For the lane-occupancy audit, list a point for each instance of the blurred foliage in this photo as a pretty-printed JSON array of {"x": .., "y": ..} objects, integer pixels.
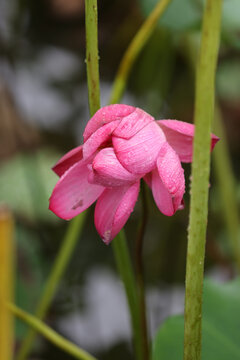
[
  {"x": 30, "y": 277},
  {"x": 180, "y": 15},
  {"x": 228, "y": 80},
  {"x": 220, "y": 326},
  {"x": 26, "y": 182}
]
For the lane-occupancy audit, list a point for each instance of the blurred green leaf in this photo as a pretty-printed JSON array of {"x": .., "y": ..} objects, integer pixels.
[
  {"x": 26, "y": 182},
  {"x": 30, "y": 277},
  {"x": 180, "y": 15},
  {"x": 228, "y": 79},
  {"x": 221, "y": 321},
  {"x": 231, "y": 15}
]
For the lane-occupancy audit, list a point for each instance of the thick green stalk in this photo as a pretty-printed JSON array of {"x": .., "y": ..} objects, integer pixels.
[
  {"x": 134, "y": 49},
  {"x": 119, "y": 244},
  {"x": 223, "y": 168},
  {"x": 91, "y": 22},
  {"x": 50, "y": 334},
  {"x": 204, "y": 112},
  {"x": 227, "y": 188},
  {"x": 68, "y": 245},
  {"x": 126, "y": 272}
]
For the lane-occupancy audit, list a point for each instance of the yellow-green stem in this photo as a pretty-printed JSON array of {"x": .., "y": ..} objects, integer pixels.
[
  {"x": 134, "y": 49},
  {"x": 119, "y": 244},
  {"x": 91, "y": 23},
  {"x": 203, "y": 117},
  {"x": 222, "y": 166},
  {"x": 6, "y": 283},
  {"x": 50, "y": 334}
]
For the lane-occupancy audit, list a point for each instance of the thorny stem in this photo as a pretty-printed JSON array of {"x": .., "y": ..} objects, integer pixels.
[
  {"x": 204, "y": 113},
  {"x": 223, "y": 168}
]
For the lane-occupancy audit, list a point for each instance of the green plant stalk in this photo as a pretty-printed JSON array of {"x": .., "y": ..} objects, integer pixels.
[
  {"x": 91, "y": 23},
  {"x": 134, "y": 49},
  {"x": 125, "y": 270},
  {"x": 222, "y": 166},
  {"x": 68, "y": 245},
  {"x": 119, "y": 244},
  {"x": 140, "y": 275},
  {"x": 227, "y": 187},
  {"x": 50, "y": 334},
  {"x": 204, "y": 112}
]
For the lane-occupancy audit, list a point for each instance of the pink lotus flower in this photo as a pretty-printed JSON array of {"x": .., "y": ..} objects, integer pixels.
[{"x": 123, "y": 144}]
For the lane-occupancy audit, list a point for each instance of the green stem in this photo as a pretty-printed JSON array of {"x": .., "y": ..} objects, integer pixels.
[
  {"x": 119, "y": 245},
  {"x": 91, "y": 20},
  {"x": 68, "y": 245},
  {"x": 134, "y": 49},
  {"x": 227, "y": 187},
  {"x": 50, "y": 334},
  {"x": 222, "y": 166},
  {"x": 204, "y": 112},
  {"x": 125, "y": 270},
  {"x": 140, "y": 276}
]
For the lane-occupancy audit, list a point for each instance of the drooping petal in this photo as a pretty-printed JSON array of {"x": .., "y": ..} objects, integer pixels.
[
  {"x": 132, "y": 124},
  {"x": 180, "y": 135},
  {"x": 113, "y": 209},
  {"x": 73, "y": 193},
  {"x": 69, "y": 159},
  {"x": 161, "y": 196},
  {"x": 105, "y": 115},
  {"x": 139, "y": 153},
  {"x": 107, "y": 170},
  {"x": 99, "y": 138},
  {"x": 168, "y": 183}
]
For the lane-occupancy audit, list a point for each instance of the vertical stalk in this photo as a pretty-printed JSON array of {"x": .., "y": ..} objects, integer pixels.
[
  {"x": 126, "y": 272},
  {"x": 68, "y": 245},
  {"x": 6, "y": 284},
  {"x": 223, "y": 168},
  {"x": 119, "y": 245},
  {"x": 204, "y": 112},
  {"x": 91, "y": 23},
  {"x": 140, "y": 276}
]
